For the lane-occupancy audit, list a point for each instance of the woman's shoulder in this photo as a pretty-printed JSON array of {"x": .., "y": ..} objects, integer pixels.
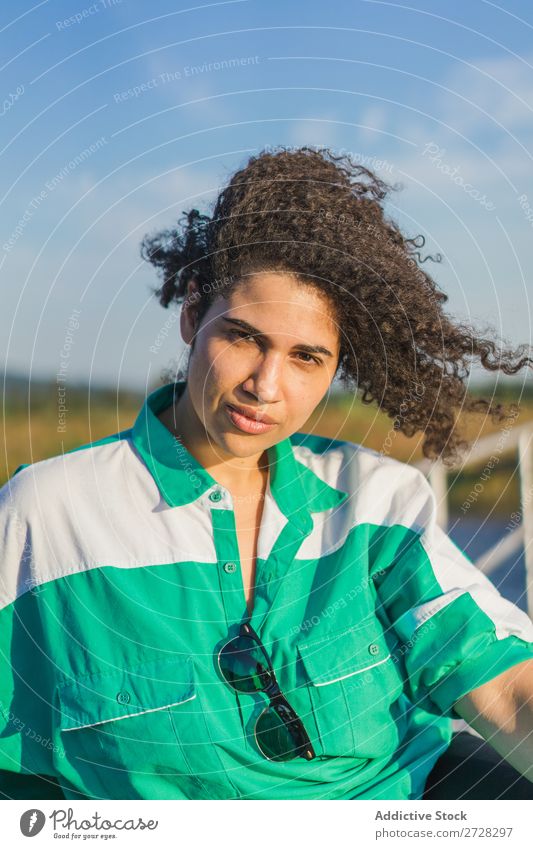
[
  {"x": 46, "y": 481},
  {"x": 59, "y": 515},
  {"x": 370, "y": 477},
  {"x": 311, "y": 447}
]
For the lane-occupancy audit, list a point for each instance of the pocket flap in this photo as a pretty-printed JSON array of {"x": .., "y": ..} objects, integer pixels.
[
  {"x": 108, "y": 696},
  {"x": 342, "y": 654}
]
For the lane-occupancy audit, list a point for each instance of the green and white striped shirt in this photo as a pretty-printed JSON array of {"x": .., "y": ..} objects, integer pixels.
[{"x": 120, "y": 580}]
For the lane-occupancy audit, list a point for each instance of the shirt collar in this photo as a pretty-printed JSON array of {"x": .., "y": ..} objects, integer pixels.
[{"x": 181, "y": 479}]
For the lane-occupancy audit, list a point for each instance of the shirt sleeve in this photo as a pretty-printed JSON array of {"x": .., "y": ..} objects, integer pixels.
[
  {"x": 455, "y": 631},
  {"x": 26, "y": 749}
]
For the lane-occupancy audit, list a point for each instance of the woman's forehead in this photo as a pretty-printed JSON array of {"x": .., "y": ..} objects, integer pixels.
[
  {"x": 279, "y": 293},
  {"x": 278, "y": 303}
]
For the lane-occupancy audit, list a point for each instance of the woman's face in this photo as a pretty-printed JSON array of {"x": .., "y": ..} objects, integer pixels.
[{"x": 270, "y": 348}]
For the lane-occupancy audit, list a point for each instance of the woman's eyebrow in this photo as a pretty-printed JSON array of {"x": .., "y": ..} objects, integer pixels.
[{"x": 310, "y": 349}]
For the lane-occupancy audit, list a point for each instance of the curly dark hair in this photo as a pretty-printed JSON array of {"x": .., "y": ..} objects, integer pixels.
[{"x": 319, "y": 216}]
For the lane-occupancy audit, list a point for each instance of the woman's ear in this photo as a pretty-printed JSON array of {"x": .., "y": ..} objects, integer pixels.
[{"x": 189, "y": 311}]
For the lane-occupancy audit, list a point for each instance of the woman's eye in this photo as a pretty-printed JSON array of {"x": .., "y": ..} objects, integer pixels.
[
  {"x": 310, "y": 359},
  {"x": 239, "y": 334},
  {"x": 306, "y": 359}
]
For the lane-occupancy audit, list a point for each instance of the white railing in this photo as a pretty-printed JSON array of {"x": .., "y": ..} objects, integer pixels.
[{"x": 518, "y": 439}]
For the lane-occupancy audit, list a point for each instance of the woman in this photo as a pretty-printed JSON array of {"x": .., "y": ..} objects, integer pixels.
[{"x": 214, "y": 604}]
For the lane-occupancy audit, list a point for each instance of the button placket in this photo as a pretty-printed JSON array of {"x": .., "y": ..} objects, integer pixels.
[
  {"x": 227, "y": 549},
  {"x": 219, "y": 499},
  {"x": 272, "y": 574}
]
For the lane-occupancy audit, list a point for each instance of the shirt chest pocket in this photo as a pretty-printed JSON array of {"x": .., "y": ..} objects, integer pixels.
[
  {"x": 353, "y": 685},
  {"x": 136, "y": 732}
]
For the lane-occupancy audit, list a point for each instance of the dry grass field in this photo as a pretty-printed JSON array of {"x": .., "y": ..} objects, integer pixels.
[{"x": 32, "y": 435}]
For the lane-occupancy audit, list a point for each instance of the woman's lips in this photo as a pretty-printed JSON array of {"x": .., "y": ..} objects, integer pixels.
[{"x": 246, "y": 424}]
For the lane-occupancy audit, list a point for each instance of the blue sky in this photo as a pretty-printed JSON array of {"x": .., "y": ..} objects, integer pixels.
[{"x": 117, "y": 116}]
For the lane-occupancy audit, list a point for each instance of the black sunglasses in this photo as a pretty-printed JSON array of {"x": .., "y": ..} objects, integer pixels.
[{"x": 279, "y": 732}]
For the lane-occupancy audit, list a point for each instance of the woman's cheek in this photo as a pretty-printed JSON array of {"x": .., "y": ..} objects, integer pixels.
[{"x": 222, "y": 357}]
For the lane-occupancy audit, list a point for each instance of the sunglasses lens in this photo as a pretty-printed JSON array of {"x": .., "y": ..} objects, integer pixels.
[
  {"x": 244, "y": 665},
  {"x": 278, "y": 740}
]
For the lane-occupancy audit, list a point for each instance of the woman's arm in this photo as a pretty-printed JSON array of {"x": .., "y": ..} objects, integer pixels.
[{"x": 502, "y": 712}]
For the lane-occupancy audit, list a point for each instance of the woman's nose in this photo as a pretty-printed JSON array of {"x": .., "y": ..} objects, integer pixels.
[{"x": 264, "y": 383}]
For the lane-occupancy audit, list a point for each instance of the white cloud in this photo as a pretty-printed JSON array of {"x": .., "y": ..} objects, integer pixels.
[
  {"x": 372, "y": 118},
  {"x": 499, "y": 91},
  {"x": 322, "y": 131}
]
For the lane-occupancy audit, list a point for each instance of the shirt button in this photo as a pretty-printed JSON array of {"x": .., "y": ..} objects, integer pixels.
[
  {"x": 230, "y": 568},
  {"x": 123, "y": 697},
  {"x": 373, "y": 648},
  {"x": 216, "y": 495}
]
